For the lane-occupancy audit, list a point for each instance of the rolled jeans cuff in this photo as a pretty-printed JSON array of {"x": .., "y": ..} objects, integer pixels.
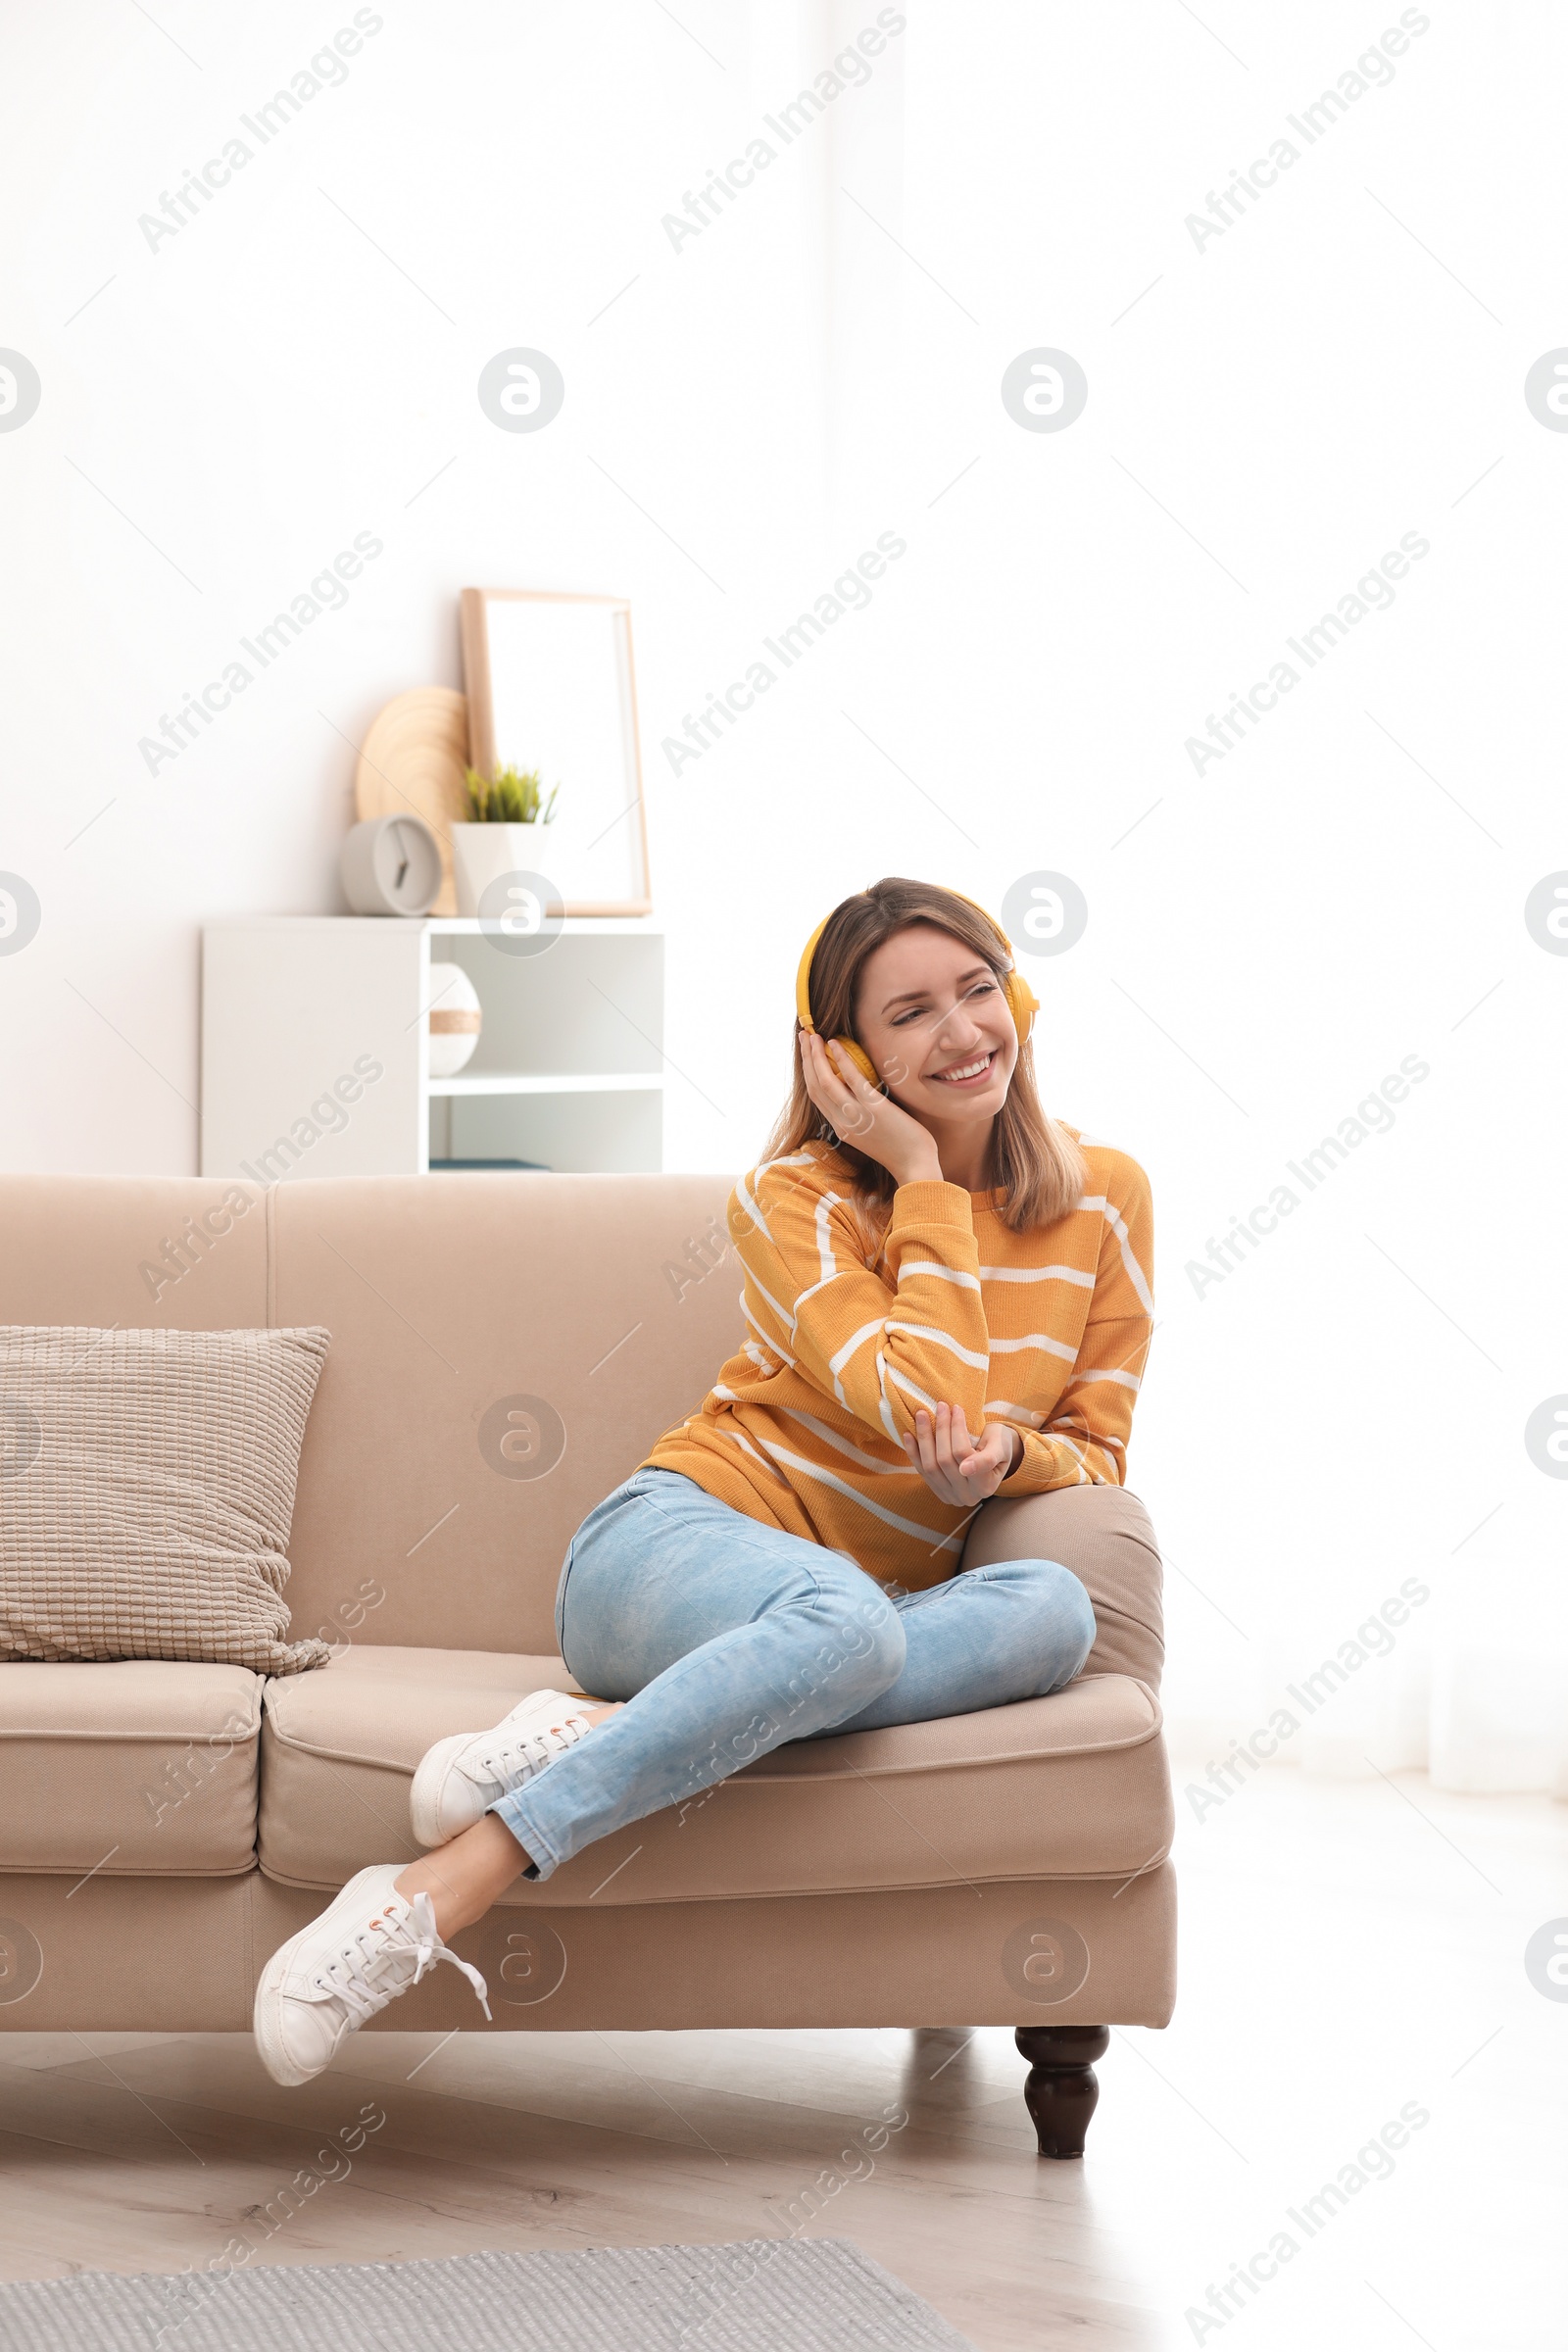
[{"x": 513, "y": 1814}]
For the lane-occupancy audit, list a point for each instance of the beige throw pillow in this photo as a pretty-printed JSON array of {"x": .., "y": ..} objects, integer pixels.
[{"x": 146, "y": 1493}]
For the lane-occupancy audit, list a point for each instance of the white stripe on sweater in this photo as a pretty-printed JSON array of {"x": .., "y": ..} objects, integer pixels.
[
  {"x": 827, "y": 1262},
  {"x": 742, "y": 1192},
  {"x": 765, "y": 1337},
  {"x": 736, "y": 1439},
  {"x": 909, "y": 1390},
  {"x": 907, "y": 1527},
  {"x": 836, "y": 1363},
  {"x": 744, "y": 1197},
  {"x": 1078, "y": 1424},
  {"x": 942, "y": 1338},
  {"x": 841, "y": 1445},
  {"x": 928, "y": 1265},
  {"x": 1135, "y": 1272},
  {"x": 1035, "y": 1339},
  {"x": 882, "y": 1404},
  {"x": 782, "y": 1312},
  {"x": 1074, "y": 1274}
]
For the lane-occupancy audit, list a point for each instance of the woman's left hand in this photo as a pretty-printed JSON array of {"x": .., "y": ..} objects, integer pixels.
[{"x": 957, "y": 1467}]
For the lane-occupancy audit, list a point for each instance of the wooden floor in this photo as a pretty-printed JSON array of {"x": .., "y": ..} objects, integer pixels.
[{"x": 1349, "y": 1951}]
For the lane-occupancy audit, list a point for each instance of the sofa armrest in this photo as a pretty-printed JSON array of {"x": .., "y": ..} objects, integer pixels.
[{"x": 1103, "y": 1535}]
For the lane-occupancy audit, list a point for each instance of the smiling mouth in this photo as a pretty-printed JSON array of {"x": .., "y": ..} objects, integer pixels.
[{"x": 967, "y": 1073}]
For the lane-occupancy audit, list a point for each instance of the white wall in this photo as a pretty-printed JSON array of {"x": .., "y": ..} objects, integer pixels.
[{"x": 1341, "y": 367}]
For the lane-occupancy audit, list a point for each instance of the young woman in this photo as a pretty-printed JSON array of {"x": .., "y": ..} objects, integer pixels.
[{"x": 947, "y": 1297}]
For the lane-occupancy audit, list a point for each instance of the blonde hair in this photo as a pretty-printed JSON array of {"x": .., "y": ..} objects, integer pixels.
[{"x": 1034, "y": 1163}]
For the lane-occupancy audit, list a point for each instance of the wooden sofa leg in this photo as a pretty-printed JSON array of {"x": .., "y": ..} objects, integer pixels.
[{"x": 1061, "y": 2090}]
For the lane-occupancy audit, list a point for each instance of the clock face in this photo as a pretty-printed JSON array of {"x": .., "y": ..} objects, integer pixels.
[{"x": 406, "y": 865}]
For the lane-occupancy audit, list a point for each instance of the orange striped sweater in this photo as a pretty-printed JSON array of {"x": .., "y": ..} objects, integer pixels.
[{"x": 1047, "y": 1329}]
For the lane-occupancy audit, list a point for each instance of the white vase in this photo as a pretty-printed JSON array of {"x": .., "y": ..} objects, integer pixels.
[
  {"x": 482, "y": 854},
  {"x": 454, "y": 1020}
]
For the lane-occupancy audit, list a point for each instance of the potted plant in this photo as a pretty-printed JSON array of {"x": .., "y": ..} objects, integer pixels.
[{"x": 507, "y": 831}]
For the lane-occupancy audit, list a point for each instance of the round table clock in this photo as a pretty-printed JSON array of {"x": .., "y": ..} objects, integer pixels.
[{"x": 391, "y": 865}]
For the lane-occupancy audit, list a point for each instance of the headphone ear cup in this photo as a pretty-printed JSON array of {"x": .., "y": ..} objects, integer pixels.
[
  {"x": 860, "y": 1058},
  {"x": 1022, "y": 1003}
]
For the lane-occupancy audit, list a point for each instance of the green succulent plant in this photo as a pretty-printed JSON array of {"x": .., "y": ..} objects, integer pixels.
[{"x": 512, "y": 796}]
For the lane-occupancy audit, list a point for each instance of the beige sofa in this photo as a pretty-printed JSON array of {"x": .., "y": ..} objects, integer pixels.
[{"x": 163, "y": 1827}]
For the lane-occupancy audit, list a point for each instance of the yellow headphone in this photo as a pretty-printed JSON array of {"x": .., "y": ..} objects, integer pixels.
[{"x": 1022, "y": 1002}]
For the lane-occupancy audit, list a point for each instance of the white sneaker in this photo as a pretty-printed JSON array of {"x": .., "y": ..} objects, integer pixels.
[
  {"x": 367, "y": 1946},
  {"x": 461, "y": 1778}
]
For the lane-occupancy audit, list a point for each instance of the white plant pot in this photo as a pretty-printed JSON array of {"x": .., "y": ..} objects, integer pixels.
[{"x": 482, "y": 854}]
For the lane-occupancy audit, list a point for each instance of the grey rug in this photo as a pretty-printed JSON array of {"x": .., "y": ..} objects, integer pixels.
[{"x": 764, "y": 2295}]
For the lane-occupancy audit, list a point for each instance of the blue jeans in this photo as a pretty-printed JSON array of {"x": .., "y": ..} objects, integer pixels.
[{"x": 727, "y": 1637}]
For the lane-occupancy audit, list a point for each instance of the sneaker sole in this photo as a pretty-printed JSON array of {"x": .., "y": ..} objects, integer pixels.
[
  {"x": 266, "y": 2019},
  {"x": 266, "y": 2024},
  {"x": 428, "y": 1789}
]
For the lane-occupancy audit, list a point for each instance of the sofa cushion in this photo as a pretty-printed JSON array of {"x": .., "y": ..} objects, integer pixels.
[
  {"x": 1074, "y": 1786},
  {"x": 149, "y": 1486},
  {"x": 138, "y": 1769}
]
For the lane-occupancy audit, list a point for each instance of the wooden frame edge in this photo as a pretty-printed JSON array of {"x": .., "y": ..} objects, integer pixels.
[
  {"x": 478, "y": 688},
  {"x": 476, "y": 684}
]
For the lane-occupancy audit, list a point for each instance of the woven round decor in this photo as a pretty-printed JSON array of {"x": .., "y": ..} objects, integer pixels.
[{"x": 412, "y": 760}]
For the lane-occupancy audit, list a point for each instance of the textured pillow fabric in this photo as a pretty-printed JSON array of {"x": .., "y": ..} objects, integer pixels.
[{"x": 146, "y": 1491}]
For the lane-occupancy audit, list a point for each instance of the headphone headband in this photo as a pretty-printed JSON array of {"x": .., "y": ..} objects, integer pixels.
[{"x": 1022, "y": 1002}]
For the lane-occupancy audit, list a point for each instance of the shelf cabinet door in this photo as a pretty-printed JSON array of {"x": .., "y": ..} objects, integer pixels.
[{"x": 313, "y": 1050}]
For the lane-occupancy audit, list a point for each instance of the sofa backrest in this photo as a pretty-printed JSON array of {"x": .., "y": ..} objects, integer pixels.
[{"x": 504, "y": 1349}]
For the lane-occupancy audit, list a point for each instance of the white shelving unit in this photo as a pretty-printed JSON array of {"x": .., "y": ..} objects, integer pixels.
[{"x": 315, "y": 1049}]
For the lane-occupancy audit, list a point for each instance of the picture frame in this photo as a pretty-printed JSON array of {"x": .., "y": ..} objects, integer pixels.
[{"x": 550, "y": 685}]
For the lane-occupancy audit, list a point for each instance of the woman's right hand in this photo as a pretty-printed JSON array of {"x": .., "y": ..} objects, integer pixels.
[{"x": 861, "y": 1115}]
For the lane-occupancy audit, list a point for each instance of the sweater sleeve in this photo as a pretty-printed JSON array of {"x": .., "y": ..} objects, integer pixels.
[
  {"x": 879, "y": 1350},
  {"x": 1085, "y": 1441}
]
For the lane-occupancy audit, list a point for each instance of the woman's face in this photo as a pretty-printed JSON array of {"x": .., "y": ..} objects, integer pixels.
[{"x": 930, "y": 1015}]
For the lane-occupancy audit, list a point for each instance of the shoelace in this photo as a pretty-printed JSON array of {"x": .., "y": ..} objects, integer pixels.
[
  {"x": 499, "y": 1763},
  {"x": 353, "y": 1984}
]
